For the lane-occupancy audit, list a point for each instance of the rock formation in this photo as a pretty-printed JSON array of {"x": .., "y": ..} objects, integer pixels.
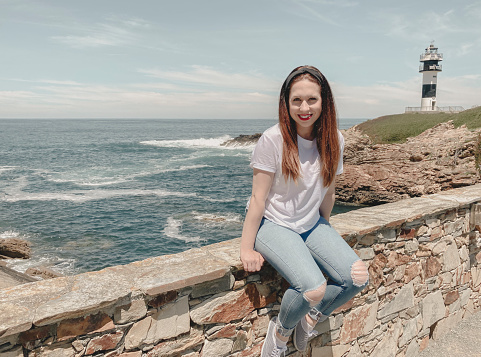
[
  {"x": 14, "y": 248},
  {"x": 438, "y": 159},
  {"x": 242, "y": 140}
]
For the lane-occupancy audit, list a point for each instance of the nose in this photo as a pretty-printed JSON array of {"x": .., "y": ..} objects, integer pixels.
[{"x": 304, "y": 106}]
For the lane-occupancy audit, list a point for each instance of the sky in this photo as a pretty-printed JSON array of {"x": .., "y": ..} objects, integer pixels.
[{"x": 226, "y": 59}]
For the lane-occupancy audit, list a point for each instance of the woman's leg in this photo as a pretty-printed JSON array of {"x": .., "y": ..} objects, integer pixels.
[
  {"x": 347, "y": 273},
  {"x": 286, "y": 251}
]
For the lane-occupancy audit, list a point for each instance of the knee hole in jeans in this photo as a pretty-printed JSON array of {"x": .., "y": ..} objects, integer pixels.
[
  {"x": 315, "y": 296},
  {"x": 359, "y": 273}
]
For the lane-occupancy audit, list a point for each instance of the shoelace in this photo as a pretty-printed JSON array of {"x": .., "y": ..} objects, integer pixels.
[
  {"x": 311, "y": 334},
  {"x": 276, "y": 352}
]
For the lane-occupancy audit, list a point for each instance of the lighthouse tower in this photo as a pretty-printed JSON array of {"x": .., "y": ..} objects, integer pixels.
[{"x": 430, "y": 68}]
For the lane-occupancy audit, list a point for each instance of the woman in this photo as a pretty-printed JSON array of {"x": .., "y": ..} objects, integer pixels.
[{"x": 287, "y": 221}]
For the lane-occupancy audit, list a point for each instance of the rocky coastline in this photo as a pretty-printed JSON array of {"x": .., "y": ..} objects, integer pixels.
[
  {"x": 439, "y": 159},
  {"x": 15, "y": 248}
]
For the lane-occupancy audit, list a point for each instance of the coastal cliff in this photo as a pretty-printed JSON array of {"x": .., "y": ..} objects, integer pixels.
[{"x": 439, "y": 159}]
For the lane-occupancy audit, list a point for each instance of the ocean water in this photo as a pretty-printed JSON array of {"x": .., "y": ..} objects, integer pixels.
[{"x": 95, "y": 193}]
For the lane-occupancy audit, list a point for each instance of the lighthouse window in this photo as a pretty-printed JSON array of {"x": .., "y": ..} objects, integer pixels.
[
  {"x": 428, "y": 65},
  {"x": 429, "y": 90}
]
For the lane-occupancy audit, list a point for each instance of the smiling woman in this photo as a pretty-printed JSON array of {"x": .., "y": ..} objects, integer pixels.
[{"x": 287, "y": 222}]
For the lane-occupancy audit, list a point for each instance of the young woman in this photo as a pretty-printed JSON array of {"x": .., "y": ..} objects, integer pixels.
[{"x": 287, "y": 222}]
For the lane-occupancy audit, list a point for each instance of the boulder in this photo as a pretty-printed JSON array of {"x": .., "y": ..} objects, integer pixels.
[
  {"x": 42, "y": 272},
  {"x": 15, "y": 248},
  {"x": 243, "y": 140}
]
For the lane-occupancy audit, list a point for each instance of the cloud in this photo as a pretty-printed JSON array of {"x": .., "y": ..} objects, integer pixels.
[
  {"x": 115, "y": 32},
  {"x": 310, "y": 12},
  {"x": 218, "y": 95},
  {"x": 389, "y": 98},
  {"x": 14, "y": 96},
  {"x": 339, "y": 3},
  {"x": 130, "y": 22},
  {"x": 377, "y": 99},
  {"x": 206, "y": 76},
  {"x": 424, "y": 25},
  {"x": 102, "y": 35},
  {"x": 48, "y": 81},
  {"x": 135, "y": 101}
]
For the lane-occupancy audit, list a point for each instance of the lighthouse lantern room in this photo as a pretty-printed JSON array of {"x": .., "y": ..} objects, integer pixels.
[{"x": 430, "y": 68}]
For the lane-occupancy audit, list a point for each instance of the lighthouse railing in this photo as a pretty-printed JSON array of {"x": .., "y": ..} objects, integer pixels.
[
  {"x": 432, "y": 67},
  {"x": 431, "y": 57},
  {"x": 448, "y": 109}
]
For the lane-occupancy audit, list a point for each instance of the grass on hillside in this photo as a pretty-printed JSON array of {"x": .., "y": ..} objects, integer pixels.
[{"x": 398, "y": 127}]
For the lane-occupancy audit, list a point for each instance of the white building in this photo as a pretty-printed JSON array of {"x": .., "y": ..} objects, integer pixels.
[{"x": 430, "y": 68}]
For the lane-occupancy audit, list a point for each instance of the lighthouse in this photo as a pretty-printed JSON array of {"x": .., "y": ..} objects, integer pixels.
[{"x": 430, "y": 68}]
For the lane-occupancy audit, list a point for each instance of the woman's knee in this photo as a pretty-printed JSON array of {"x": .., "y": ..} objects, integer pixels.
[
  {"x": 315, "y": 296},
  {"x": 359, "y": 273}
]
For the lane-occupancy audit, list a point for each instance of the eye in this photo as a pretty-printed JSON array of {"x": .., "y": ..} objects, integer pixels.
[
  {"x": 296, "y": 100},
  {"x": 312, "y": 100}
]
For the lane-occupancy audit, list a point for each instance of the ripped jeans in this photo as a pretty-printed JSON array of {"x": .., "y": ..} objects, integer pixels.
[{"x": 302, "y": 259}]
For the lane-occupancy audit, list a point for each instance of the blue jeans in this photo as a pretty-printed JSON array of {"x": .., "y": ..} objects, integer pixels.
[{"x": 302, "y": 259}]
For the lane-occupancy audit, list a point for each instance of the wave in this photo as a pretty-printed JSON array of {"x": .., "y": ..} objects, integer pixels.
[
  {"x": 9, "y": 234},
  {"x": 16, "y": 195},
  {"x": 64, "y": 266},
  {"x": 225, "y": 200},
  {"x": 181, "y": 168},
  {"x": 210, "y": 143},
  {"x": 173, "y": 229},
  {"x": 189, "y": 143},
  {"x": 94, "y": 181},
  {"x": 7, "y": 168},
  {"x": 217, "y": 219}
]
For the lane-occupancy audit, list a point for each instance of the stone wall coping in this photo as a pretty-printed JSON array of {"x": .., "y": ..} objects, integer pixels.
[
  {"x": 370, "y": 219},
  {"x": 49, "y": 301}
]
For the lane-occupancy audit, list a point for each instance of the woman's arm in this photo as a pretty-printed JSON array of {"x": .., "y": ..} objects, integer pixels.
[
  {"x": 261, "y": 185},
  {"x": 328, "y": 201}
]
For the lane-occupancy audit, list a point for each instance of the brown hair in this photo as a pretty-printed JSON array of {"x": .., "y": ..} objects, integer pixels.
[{"x": 325, "y": 128}]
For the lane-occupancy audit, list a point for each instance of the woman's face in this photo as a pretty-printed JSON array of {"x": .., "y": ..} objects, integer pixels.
[{"x": 305, "y": 106}]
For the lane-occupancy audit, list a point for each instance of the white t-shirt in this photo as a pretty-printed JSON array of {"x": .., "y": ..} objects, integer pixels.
[{"x": 290, "y": 205}]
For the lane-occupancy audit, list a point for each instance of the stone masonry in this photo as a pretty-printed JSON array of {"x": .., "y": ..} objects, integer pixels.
[{"x": 424, "y": 259}]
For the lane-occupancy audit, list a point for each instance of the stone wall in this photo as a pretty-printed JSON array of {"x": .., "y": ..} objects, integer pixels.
[{"x": 425, "y": 276}]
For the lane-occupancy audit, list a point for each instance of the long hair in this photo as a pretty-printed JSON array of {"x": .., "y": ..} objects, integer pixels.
[{"x": 324, "y": 130}]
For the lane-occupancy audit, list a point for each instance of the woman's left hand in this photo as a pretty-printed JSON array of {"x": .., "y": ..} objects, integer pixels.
[{"x": 251, "y": 260}]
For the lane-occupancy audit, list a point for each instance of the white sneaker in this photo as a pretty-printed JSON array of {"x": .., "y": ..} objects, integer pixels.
[
  {"x": 302, "y": 335},
  {"x": 270, "y": 348}
]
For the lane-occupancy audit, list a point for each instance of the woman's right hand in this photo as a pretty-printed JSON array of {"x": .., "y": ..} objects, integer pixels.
[{"x": 251, "y": 260}]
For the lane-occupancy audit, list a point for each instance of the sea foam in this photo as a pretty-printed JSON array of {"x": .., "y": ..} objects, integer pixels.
[
  {"x": 211, "y": 143},
  {"x": 173, "y": 229},
  {"x": 217, "y": 219}
]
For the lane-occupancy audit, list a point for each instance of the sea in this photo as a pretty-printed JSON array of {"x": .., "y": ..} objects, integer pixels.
[{"x": 89, "y": 194}]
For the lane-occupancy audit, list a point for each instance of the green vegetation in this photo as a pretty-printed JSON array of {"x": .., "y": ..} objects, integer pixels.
[
  {"x": 398, "y": 127},
  {"x": 477, "y": 154}
]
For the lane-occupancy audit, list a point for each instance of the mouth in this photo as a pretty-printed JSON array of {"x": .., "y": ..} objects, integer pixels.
[{"x": 304, "y": 116}]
